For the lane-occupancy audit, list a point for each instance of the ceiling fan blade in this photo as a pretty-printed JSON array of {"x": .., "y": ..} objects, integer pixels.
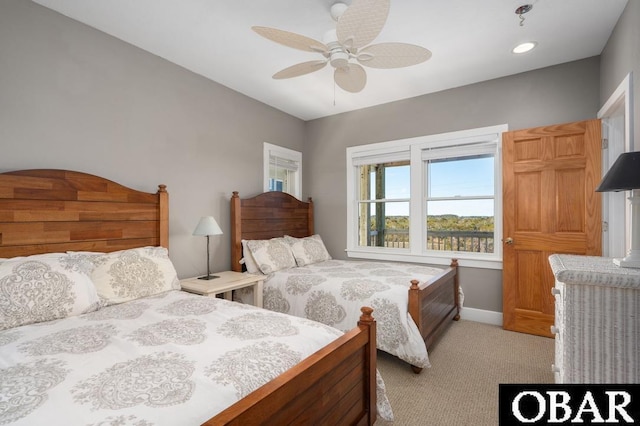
[
  {"x": 300, "y": 69},
  {"x": 361, "y": 23},
  {"x": 352, "y": 78},
  {"x": 392, "y": 55},
  {"x": 289, "y": 39}
]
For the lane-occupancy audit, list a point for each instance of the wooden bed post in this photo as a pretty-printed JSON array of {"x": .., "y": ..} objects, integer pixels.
[
  {"x": 163, "y": 222},
  {"x": 366, "y": 320},
  {"x": 456, "y": 289},
  {"x": 310, "y": 224},
  {"x": 414, "y": 302},
  {"x": 415, "y": 311},
  {"x": 236, "y": 232}
]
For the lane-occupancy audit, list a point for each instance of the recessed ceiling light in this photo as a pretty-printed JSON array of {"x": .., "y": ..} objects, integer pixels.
[{"x": 524, "y": 47}]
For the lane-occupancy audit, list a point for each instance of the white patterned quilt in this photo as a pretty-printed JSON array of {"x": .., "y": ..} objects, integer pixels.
[
  {"x": 332, "y": 292},
  {"x": 170, "y": 359}
]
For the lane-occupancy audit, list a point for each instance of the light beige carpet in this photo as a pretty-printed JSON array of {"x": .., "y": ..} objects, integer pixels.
[{"x": 467, "y": 365}]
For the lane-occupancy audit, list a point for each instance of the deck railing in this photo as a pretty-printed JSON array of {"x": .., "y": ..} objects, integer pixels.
[{"x": 471, "y": 241}]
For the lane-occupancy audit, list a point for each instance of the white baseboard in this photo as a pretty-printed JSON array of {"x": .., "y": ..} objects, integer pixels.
[{"x": 480, "y": 315}]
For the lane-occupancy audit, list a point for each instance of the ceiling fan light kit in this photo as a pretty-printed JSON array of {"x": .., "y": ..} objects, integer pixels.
[
  {"x": 357, "y": 26},
  {"x": 337, "y": 9}
]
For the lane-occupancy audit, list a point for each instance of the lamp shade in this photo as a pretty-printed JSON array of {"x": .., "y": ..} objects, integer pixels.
[
  {"x": 623, "y": 175},
  {"x": 207, "y": 226}
]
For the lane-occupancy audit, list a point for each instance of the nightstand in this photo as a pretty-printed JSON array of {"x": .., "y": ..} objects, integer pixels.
[{"x": 226, "y": 283}]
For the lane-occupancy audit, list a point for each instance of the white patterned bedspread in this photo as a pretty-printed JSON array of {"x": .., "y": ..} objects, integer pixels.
[
  {"x": 332, "y": 292},
  {"x": 172, "y": 359}
]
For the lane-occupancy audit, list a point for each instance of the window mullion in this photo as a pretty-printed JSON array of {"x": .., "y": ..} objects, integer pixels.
[
  {"x": 384, "y": 200},
  {"x": 462, "y": 197},
  {"x": 417, "y": 228}
]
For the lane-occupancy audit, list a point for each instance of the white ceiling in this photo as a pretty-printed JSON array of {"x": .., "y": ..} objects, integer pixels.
[{"x": 471, "y": 41}]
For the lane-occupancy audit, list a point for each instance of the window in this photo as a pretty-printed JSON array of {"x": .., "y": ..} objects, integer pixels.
[
  {"x": 460, "y": 198},
  {"x": 282, "y": 170},
  {"x": 383, "y": 208},
  {"x": 427, "y": 199}
]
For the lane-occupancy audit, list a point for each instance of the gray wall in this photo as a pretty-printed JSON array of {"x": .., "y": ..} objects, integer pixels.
[
  {"x": 75, "y": 98},
  {"x": 621, "y": 56},
  {"x": 559, "y": 94}
]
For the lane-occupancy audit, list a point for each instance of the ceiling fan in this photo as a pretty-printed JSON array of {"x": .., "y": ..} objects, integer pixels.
[{"x": 357, "y": 26}]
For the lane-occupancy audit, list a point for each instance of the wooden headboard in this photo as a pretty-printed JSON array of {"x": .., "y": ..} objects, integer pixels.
[
  {"x": 268, "y": 215},
  {"x": 43, "y": 211}
]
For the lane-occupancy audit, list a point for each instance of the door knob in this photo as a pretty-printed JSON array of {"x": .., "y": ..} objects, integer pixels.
[{"x": 508, "y": 240}]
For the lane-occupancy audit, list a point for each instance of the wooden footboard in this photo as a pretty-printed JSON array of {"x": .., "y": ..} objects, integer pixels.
[
  {"x": 334, "y": 386},
  {"x": 435, "y": 304}
]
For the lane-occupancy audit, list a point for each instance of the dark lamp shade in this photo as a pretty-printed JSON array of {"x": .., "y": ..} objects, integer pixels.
[{"x": 623, "y": 175}]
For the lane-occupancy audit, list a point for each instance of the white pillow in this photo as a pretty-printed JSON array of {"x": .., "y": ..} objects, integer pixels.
[
  {"x": 271, "y": 255},
  {"x": 249, "y": 261},
  {"x": 126, "y": 275},
  {"x": 308, "y": 250},
  {"x": 43, "y": 288}
]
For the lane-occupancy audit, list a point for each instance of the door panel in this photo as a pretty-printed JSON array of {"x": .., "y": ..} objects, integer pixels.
[
  {"x": 528, "y": 203},
  {"x": 550, "y": 206},
  {"x": 569, "y": 202}
]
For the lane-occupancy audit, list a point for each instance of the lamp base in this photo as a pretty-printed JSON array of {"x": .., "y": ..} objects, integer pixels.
[
  {"x": 208, "y": 277},
  {"x": 631, "y": 261}
]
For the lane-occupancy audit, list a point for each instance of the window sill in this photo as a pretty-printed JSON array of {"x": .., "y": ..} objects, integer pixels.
[{"x": 464, "y": 259}]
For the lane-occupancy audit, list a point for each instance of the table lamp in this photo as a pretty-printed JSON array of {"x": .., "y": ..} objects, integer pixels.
[
  {"x": 207, "y": 227},
  {"x": 624, "y": 175}
]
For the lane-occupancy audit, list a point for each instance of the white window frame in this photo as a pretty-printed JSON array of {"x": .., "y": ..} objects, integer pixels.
[
  {"x": 397, "y": 156},
  {"x": 270, "y": 150},
  {"x": 414, "y": 147}
]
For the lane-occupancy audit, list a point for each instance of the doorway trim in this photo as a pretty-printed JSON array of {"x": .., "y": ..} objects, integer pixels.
[{"x": 617, "y": 129}]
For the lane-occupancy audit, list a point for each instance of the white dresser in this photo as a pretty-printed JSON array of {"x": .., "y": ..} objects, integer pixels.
[{"x": 597, "y": 320}]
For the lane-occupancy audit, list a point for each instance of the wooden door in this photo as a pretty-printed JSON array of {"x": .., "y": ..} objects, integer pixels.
[{"x": 549, "y": 206}]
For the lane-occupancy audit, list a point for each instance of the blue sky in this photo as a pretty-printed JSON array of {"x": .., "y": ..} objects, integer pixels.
[{"x": 447, "y": 178}]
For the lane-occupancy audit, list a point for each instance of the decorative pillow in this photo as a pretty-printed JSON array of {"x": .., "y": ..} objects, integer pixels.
[
  {"x": 126, "y": 275},
  {"x": 43, "y": 288},
  {"x": 271, "y": 255},
  {"x": 308, "y": 250},
  {"x": 249, "y": 261}
]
